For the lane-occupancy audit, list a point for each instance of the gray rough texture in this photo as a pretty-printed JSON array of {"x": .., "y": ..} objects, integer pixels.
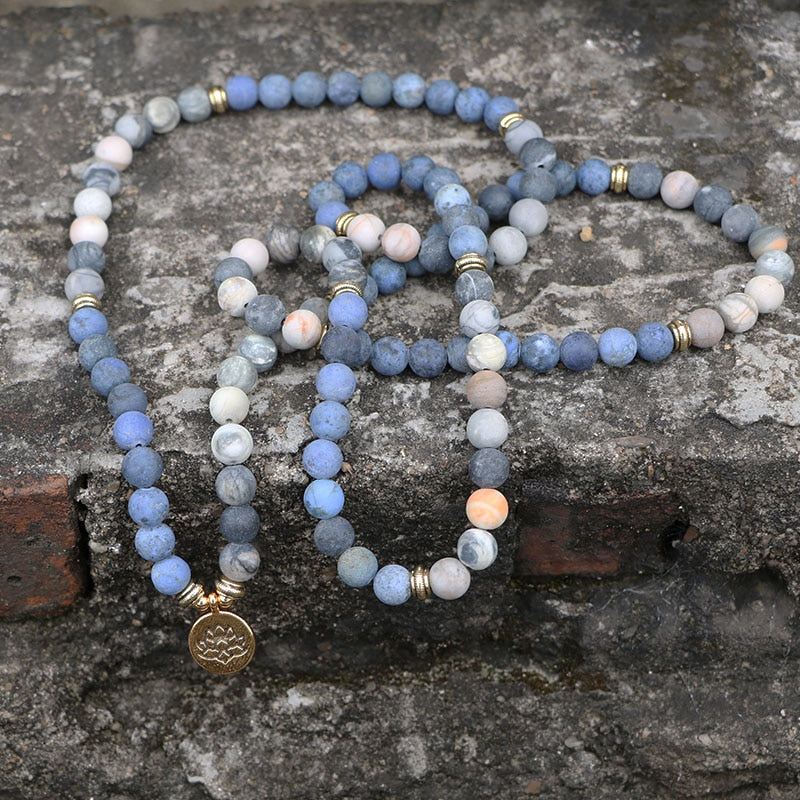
[{"x": 669, "y": 685}]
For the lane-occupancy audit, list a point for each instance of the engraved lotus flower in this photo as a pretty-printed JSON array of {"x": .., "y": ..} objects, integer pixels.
[{"x": 222, "y": 644}]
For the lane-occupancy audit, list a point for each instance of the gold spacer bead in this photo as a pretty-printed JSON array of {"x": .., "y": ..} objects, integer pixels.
[
  {"x": 421, "y": 583},
  {"x": 470, "y": 261},
  {"x": 345, "y": 286},
  {"x": 325, "y": 328},
  {"x": 228, "y": 591},
  {"x": 86, "y": 300},
  {"x": 218, "y": 98},
  {"x": 507, "y": 121},
  {"x": 681, "y": 333},
  {"x": 343, "y": 222},
  {"x": 193, "y": 596},
  {"x": 619, "y": 178}
]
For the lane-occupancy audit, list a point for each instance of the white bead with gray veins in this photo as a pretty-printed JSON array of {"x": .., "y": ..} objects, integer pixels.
[
  {"x": 477, "y": 549},
  {"x": 739, "y": 312},
  {"x": 234, "y": 294},
  {"x": 231, "y": 444},
  {"x": 486, "y": 351},
  {"x": 479, "y": 316},
  {"x": 239, "y": 562}
]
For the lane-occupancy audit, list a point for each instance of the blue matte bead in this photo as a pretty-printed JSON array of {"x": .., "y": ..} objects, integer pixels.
[
  {"x": 333, "y": 536},
  {"x": 427, "y": 358},
  {"x": 538, "y": 184},
  {"x": 132, "y": 429},
  {"x": 496, "y": 109},
  {"x": 414, "y": 267},
  {"x": 242, "y": 92},
  {"x": 154, "y": 544},
  {"x": 711, "y": 202},
  {"x": 512, "y": 344},
  {"x": 389, "y": 275},
  {"x": 322, "y": 458},
  {"x": 352, "y": 178},
  {"x": 616, "y": 347},
  {"x": 538, "y": 153},
  {"x": 346, "y": 346},
  {"x": 336, "y": 382},
  {"x": 540, "y": 352},
  {"x": 496, "y": 200},
  {"x": 654, "y": 341},
  {"x": 309, "y": 89},
  {"x": 329, "y": 420},
  {"x": 87, "y": 322},
  {"x": 231, "y": 267},
  {"x": 739, "y": 221},
  {"x": 142, "y": 467},
  {"x": 644, "y": 180},
  {"x": 148, "y": 507},
  {"x": 408, "y": 90},
  {"x": 95, "y": 347},
  {"x": 323, "y": 498},
  {"x": 457, "y": 353},
  {"x": 467, "y": 239},
  {"x": 437, "y": 177},
  {"x": 86, "y": 255},
  {"x": 376, "y": 89},
  {"x": 135, "y": 129},
  {"x": 456, "y": 216},
  {"x": 593, "y": 176},
  {"x": 329, "y": 212},
  {"x": 392, "y": 585},
  {"x": 239, "y": 524},
  {"x": 434, "y": 255},
  {"x": 470, "y": 104},
  {"x": 566, "y": 178},
  {"x": 414, "y": 170},
  {"x": 108, "y": 373},
  {"x": 325, "y": 192},
  {"x": 171, "y": 575},
  {"x": 389, "y": 355},
  {"x": 344, "y": 88},
  {"x": 357, "y": 566},
  {"x": 513, "y": 184},
  {"x": 451, "y": 195},
  {"x": 440, "y": 96},
  {"x": 578, "y": 351},
  {"x": 384, "y": 171},
  {"x": 126, "y": 397},
  {"x": 275, "y": 91},
  {"x": 350, "y": 309}
]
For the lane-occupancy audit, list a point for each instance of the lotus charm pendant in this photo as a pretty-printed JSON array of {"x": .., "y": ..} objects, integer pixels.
[{"x": 221, "y": 642}]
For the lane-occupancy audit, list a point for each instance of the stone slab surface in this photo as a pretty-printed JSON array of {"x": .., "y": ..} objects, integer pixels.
[{"x": 676, "y": 678}]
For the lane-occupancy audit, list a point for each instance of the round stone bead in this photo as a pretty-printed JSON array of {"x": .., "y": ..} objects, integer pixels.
[
  {"x": 390, "y": 276},
  {"x": 148, "y": 507},
  {"x": 235, "y": 485},
  {"x": 322, "y": 458},
  {"x": 84, "y": 281},
  {"x": 352, "y": 271},
  {"x": 357, "y": 566},
  {"x": 707, "y": 327},
  {"x": 239, "y": 524},
  {"x": 616, "y": 347},
  {"x": 488, "y": 468},
  {"x": 301, "y": 329},
  {"x": 265, "y": 314},
  {"x": 739, "y": 221},
  {"x": 739, "y": 312},
  {"x": 194, "y": 104},
  {"x": 344, "y": 88},
  {"x": 231, "y": 267},
  {"x": 333, "y": 536},
  {"x": 88, "y": 229},
  {"x": 253, "y": 252},
  {"x": 434, "y": 255},
  {"x": 449, "y": 196},
  {"x": 415, "y": 170},
  {"x": 509, "y": 244},
  {"x": 456, "y": 216},
  {"x": 346, "y": 346},
  {"x": 309, "y": 89},
  {"x": 92, "y": 202},
  {"x": 389, "y": 355},
  {"x": 768, "y": 293},
  {"x": 162, "y": 113},
  {"x": 319, "y": 305},
  {"x": 487, "y": 427},
  {"x": 486, "y": 389},
  {"x": 329, "y": 420},
  {"x": 593, "y": 176},
  {"x": 313, "y": 241},
  {"x": 392, "y": 585},
  {"x": 440, "y": 97},
  {"x": 449, "y": 579},
  {"x": 239, "y": 562},
  {"x": 170, "y": 575},
  {"x": 126, "y": 397},
  {"x": 537, "y": 153},
  {"x": 479, "y": 316},
  {"x": 408, "y": 90},
  {"x": 348, "y": 309},
  {"x": 766, "y": 238},
  {"x": 260, "y": 351},
  {"x": 86, "y": 255},
  {"x": 231, "y": 444},
  {"x": 538, "y": 184},
  {"x": 654, "y": 341},
  {"x": 578, "y": 351},
  {"x": 114, "y": 150},
  {"x": 457, "y": 353},
  {"x": 324, "y": 192},
  {"x": 529, "y": 216},
  {"x": 487, "y": 509},
  {"x": 95, "y": 347},
  {"x": 384, "y": 171},
  {"x": 496, "y": 109},
  {"x": 154, "y": 544},
  {"x": 644, "y": 180},
  {"x": 477, "y": 549},
  {"x": 132, "y": 429},
  {"x": 336, "y": 382},
  {"x": 366, "y": 231},
  {"x": 486, "y": 352},
  {"x": 512, "y": 345},
  {"x": 102, "y": 176},
  {"x": 237, "y": 371},
  {"x": 711, "y": 202},
  {"x": 470, "y": 104},
  {"x": 275, "y": 91},
  {"x": 242, "y": 92},
  {"x": 142, "y": 467},
  {"x": 87, "y": 322},
  {"x": 540, "y": 352},
  {"x": 566, "y": 178},
  {"x": 234, "y": 294},
  {"x": 376, "y": 89},
  {"x": 778, "y": 264},
  {"x": 135, "y": 129},
  {"x": 338, "y": 250},
  {"x": 678, "y": 189},
  {"x": 520, "y": 133},
  {"x": 496, "y": 200},
  {"x": 108, "y": 373},
  {"x": 283, "y": 244},
  {"x": 401, "y": 242},
  {"x": 228, "y": 404},
  {"x": 352, "y": 177},
  {"x": 427, "y": 358},
  {"x": 474, "y": 284},
  {"x": 437, "y": 177}
]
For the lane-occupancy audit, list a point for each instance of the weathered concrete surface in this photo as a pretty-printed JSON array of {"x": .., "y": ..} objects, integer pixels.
[{"x": 678, "y": 678}]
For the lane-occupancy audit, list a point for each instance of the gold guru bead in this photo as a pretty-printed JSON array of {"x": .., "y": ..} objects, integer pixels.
[{"x": 619, "y": 178}]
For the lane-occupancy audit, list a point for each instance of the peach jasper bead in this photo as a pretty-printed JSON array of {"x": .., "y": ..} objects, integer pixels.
[
  {"x": 401, "y": 242},
  {"x": 114, "y": 150},
  {"x": 253, "y": 253},
  {"x": 487, "y": 509},
  {"x": 301, "y": 329},
  {"x": 366, "y": 231},
  {"x": 88, "y": 229},
  {"x": 707, "y": 327}
]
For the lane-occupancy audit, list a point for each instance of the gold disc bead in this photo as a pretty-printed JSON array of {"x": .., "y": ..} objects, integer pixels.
[
  {"x": 218, "y": 98},
  {"x": 193, "y": 596},
  {"x": 421, "y": 583},
  {"x": 343, "y": 222},
  {"x": 345, "y": 286},
  {"x": 512, "y": 118},
  {"x": 681, "y": 333},
  {"x": 619, "y": 178},
  {"x": 86, "y": 300},
  {"x": 470, "y": 261},
  {"x": 228, "y": 591}
]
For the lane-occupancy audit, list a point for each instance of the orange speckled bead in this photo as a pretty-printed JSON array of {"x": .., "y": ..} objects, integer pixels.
[
  {"x": 301, "y": 329},
  {"x": 487, "y": 509}
]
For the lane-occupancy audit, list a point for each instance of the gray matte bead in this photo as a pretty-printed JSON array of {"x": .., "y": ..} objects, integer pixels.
[
  {"x": 319, "y": 305},
  {"x": 644, "y": 180},
  {"x": 232, "y": 267},
  {"x": 313, "y": 241},
  {"x": 488, "y": 468},
  {"x": 739, "y": 221},
  {"x": 457, "y": 353},
  {"x": 83, "y": 281},
  {"x": 333, "y": 536},
  {"x": 339, "y": 249},
  {"x": 350, "y": 270},
  {"x": 537, "y": 153},
  {"x": 135, "y": 129},
  {"x": 194, "y": 104},
  {"x": 712, "y": 201},
  {"x": 434, "y": 255},
  {"x": 235, "y": 485},
  {"x": 237, "y": 371},
  {"x": 283, "y": 243},
  {"x": 539, "y": 184},
  {"x": 260, "y": 351},
  {"x": 520, "y": 133},
  {"x": 239, "y": 562},
  {"x": 162, "y": 113},
  {"x": 474, "y": 284},
  {"x": 265, "y": 314},
  {"x": 86, "y": 255},
  {"x": 102, "y": 176},
  {"x": 777, "y": 263},
  {"x": 239, "y": 523}
]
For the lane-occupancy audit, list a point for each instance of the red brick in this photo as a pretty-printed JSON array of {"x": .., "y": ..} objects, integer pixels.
[
  {"x": 625, "y": 536},
  {"x": 41, "y": 572}
]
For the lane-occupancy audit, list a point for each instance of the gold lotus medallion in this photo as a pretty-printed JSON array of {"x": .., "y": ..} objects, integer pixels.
[{"x": 221, "y": 642}]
